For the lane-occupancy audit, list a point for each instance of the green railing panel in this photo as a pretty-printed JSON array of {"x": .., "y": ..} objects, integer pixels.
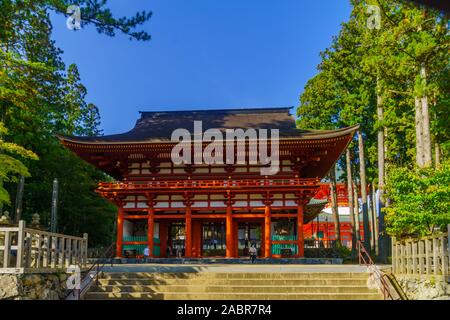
[
  {"x": 135, "y": 239},
  {"x": 284, "y": 237},
  {"x": 276, "y": 248},
  {"x": 141, "y": 247}
]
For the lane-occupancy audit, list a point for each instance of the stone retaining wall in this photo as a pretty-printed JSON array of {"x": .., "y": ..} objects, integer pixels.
[
  {"x": 47, "y": 286},
  {"x": 424, "y": 288}
]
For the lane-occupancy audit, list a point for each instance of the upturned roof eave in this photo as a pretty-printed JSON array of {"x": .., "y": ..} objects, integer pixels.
[{"x": 319, "y": 135}]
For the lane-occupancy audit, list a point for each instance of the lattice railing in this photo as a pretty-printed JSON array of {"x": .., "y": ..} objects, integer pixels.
[
  {"x": 24, "y": 250},
  {"x": 422, "y": 256}
]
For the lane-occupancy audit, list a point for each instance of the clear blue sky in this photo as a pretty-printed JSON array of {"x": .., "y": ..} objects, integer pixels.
[{"x": 203, "y": 54}]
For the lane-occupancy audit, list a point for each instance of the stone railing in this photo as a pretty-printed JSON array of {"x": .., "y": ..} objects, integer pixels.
[
  {"x": 25, "y": 250},
  {"x": 422, "y": 256}
]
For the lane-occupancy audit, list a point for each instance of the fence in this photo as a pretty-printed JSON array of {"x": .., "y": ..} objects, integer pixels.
[
  {"x": 29, "y": 250},
  {"x": 423, "y": 256}
]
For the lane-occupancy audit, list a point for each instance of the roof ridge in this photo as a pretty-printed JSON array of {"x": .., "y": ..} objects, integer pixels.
[{"x": 231, "y": 110}]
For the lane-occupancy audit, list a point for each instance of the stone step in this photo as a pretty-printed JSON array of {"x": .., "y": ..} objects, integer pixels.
[
  {"x": 232, "y": 296},
  {"x": 236, "y": 275},
  {"x": 234, "y": 281},
  {"x": 234, "y": 289}
]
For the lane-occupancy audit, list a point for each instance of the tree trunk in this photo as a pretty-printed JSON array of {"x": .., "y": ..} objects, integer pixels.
[
  {"x": 427, "y": 158},
  {"x": 375, "y": 220},
  {"x": 437, "y": 155},
  {"x": 334, "y": 205},
  {"x": 356, "y": 211},
  {"x": 350, "y": 200},
  {"x": 19, "y": 200},
  {"x": 362, "y": 174},
  {"x": 370, "y": 213},
  {"x": 419, "y": 132},
  {"x": 381, "y": 168}
]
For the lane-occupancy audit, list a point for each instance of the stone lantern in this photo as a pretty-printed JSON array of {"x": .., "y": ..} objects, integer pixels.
[
  {"x": 4, "y": 219},
  {"x": 35, "y": 221}
]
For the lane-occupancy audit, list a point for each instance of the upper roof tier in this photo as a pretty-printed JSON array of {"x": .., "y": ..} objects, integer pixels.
[{"x": 157, "y": 126}]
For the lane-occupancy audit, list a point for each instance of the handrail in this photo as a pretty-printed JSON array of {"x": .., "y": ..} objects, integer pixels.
[
  {"x": 364, "y": 258},
  {"x": 98, "y": 265}
]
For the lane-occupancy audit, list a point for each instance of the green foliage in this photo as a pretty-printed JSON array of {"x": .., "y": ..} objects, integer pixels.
[
  {"x": 39, "y": 97},
  {"x": 364, "y": 64},
  {"x": 97, "y": 13},
  {"x": 420, "y": 200},
  {"x": 10, "y": 167}
]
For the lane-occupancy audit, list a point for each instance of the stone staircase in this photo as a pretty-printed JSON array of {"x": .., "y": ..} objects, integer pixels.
[{"x": 234, "y": 286}]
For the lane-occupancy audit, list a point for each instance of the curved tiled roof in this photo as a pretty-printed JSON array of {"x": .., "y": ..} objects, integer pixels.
[
  {"x": 313, "y": 209},
  {"x": 157, "y": 126}
]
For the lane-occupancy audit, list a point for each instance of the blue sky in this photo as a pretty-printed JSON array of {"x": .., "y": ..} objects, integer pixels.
[{"x": 203, "y": 54}]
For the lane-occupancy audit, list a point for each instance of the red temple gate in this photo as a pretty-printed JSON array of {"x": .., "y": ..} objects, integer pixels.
[{"x": 212, "y": 209}]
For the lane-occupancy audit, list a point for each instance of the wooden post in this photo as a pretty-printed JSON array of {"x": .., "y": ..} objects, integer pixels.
[
  {"x": 188, "y": 233},
  {"x": 76, "y": 249},
  {"x": 84, "y": 250},
  {"x": 46, "y": 257},
  {"x": 448, "y": 250},
  {"x": 421, "y": 256},
  {"x": 20, "y": 244},
  {"x": 414, "y": 257},
  {"x": 54, "y": 252},
  {"x": 427, "y": 255},
  {"x": 119, "y": 238},
  {"x": 61, "y": 251},
  {"x": 150, "y": 230},
  {"x": 235, "y": 239},
  {"x": 229, "y": 231},
  {"x": 394, "y": 256},
  {"x": 69, "y": 253},
  {"x": 163, "y": 237},
  {"x": 263, "y": 237},
  {"x": 267, "y": 231},
  {"x": 403, "y": 246},
  {"x": 443, "y": 255},
  {"x": 7, "y": 249},
  {"x": 300, "y": 236},
  {"x": 435, "y": 256},
  {"x": 409, "y": 257},
  {"x": 27, "y": 250}
]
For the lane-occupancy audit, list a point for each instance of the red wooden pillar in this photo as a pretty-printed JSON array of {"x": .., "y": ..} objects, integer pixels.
[
  {"x": 119, "y": 238},
  {"x": 150, "y": 230},
  {"x": 229, "y": 232},
  {"x": 267, "y": 231},
  {"x": 196, "y": 238},
  {"x": 188, "y": 233},
  {"x": 263, "y": 232},
  {"x": 300, "y": 235},
  {"x": 235, "y": 239},
  {"x": 163, "y": 238}
]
